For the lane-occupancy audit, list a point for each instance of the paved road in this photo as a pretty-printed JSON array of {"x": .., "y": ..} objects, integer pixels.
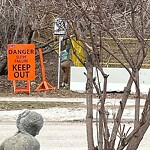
[
  {"x": 61, "y": 135},
  {"x": 53, "y": 136},
  {"x": 57, "y": 134}
]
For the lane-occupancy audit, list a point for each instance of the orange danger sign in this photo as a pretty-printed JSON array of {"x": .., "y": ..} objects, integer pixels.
[{"x": 21, "y": 61}]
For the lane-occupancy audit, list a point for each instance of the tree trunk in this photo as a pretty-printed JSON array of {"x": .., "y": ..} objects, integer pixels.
[
  {"x": 134, "y": 143},
  {"x": 144, "y": 124},
  {"x": 89, "y": 101},
  {"x": 137, "y": 101},
  {"x": 3, "y": 65},
  {"x": 120, "y": 112}
]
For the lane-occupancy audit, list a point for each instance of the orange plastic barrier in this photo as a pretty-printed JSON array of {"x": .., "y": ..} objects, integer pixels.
[
  {"x": 44, "y": 85},
  {"x": 21, "y": 89}
]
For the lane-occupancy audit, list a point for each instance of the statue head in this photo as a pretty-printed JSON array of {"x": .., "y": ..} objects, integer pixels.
[{"x": 29, "y": 122}]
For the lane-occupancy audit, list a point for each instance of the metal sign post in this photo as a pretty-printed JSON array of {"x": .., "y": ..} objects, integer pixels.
[
  {"x": 58, "y": 82},
  {"x": 60, "y": 27}
]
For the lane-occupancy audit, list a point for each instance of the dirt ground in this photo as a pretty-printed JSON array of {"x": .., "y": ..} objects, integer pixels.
[
  {"x": 51, "y": 69},
  {"x": 50, "y": 65}
]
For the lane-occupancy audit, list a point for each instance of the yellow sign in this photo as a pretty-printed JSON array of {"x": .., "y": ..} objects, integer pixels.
[{"x": 77, "y": 45}]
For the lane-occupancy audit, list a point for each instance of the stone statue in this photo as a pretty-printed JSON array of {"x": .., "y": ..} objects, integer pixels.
[{"x": 29, "y": 124}]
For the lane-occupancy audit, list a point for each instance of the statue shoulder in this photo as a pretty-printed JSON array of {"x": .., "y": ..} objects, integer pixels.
[
  {"x": 2, "y": 146},
  {"x": 21, "y": 142}
]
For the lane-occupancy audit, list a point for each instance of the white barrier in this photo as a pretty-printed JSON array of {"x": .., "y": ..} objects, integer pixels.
[{"x": 117, "y": 79}]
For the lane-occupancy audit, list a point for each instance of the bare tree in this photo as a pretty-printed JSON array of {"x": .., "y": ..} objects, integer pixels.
[
  {"x": 25, "y": 21},
  {"x": 90, "y": 21}
]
